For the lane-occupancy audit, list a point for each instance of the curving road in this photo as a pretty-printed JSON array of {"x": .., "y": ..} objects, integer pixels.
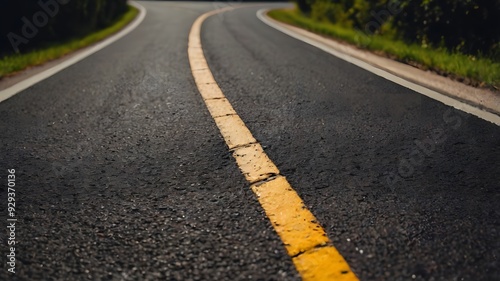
[{"x": 123, "y": 175}]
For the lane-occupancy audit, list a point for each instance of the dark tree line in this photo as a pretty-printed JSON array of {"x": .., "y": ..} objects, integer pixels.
[
  {"x": 468, "y": 26},
  {"x": 28, "y": 24}
]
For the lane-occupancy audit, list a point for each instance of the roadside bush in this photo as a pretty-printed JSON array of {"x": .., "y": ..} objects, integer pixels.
[
  {"x": 466, "y": 26},
  {"x": 28, "y": 24}
]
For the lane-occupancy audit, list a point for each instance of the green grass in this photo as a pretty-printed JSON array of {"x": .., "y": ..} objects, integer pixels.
[
  {"x": 474, "y": 70},
  {"x": 13, "y": 63}
]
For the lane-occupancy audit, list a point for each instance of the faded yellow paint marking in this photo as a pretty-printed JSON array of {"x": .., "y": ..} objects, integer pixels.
[
  {"x": 295, "y": 224},
  {"x": 254, "y": 163},
  {"x": 210, "y": 91},
  {"x": 198, "y": 65},
  {"x": 219, "y": 107},
  {"x": 204, "y": 76},
  {"x": 305, "y": 240},
  {"x": 324, "y": 263},
  {"x": 234, "y": 131}
]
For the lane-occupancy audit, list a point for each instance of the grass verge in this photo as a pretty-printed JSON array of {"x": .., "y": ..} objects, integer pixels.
[
  {"x": 482, "y": 72},
  {"x": 13, "y": 63}
]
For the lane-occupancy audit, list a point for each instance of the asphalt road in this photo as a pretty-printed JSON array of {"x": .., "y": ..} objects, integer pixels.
[{"x": 123, "y": 175}]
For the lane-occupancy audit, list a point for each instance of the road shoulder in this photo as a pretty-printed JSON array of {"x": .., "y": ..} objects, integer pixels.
[
  {"x": 9, "y": 86},
  {"x": 483, "y": 99}
]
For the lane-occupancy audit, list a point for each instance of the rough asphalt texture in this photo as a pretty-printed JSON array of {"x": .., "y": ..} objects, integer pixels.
[{"x": 122, "y": 174}]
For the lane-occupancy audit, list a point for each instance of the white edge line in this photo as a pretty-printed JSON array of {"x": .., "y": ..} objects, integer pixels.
[
  {"x": 18, "y": 87},
  {"x": 488, "y": 116}
]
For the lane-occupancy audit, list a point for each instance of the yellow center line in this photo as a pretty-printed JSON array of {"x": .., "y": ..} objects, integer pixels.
[{"x": 306, "y": 242}]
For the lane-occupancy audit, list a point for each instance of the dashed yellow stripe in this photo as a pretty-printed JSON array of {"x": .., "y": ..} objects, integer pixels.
[{"x": 305, "y": 240}]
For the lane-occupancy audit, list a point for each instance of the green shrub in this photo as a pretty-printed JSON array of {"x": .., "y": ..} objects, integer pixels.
[
  {"x": 27, "y": 24},
  {"x": 465, "y": 26}
]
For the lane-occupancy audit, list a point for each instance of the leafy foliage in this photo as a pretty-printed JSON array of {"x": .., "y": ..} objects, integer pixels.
[
  {"x": 47, "y": 21},
  {"x": 480, "y": 71},
  {"x": 466, "y": 26}
]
